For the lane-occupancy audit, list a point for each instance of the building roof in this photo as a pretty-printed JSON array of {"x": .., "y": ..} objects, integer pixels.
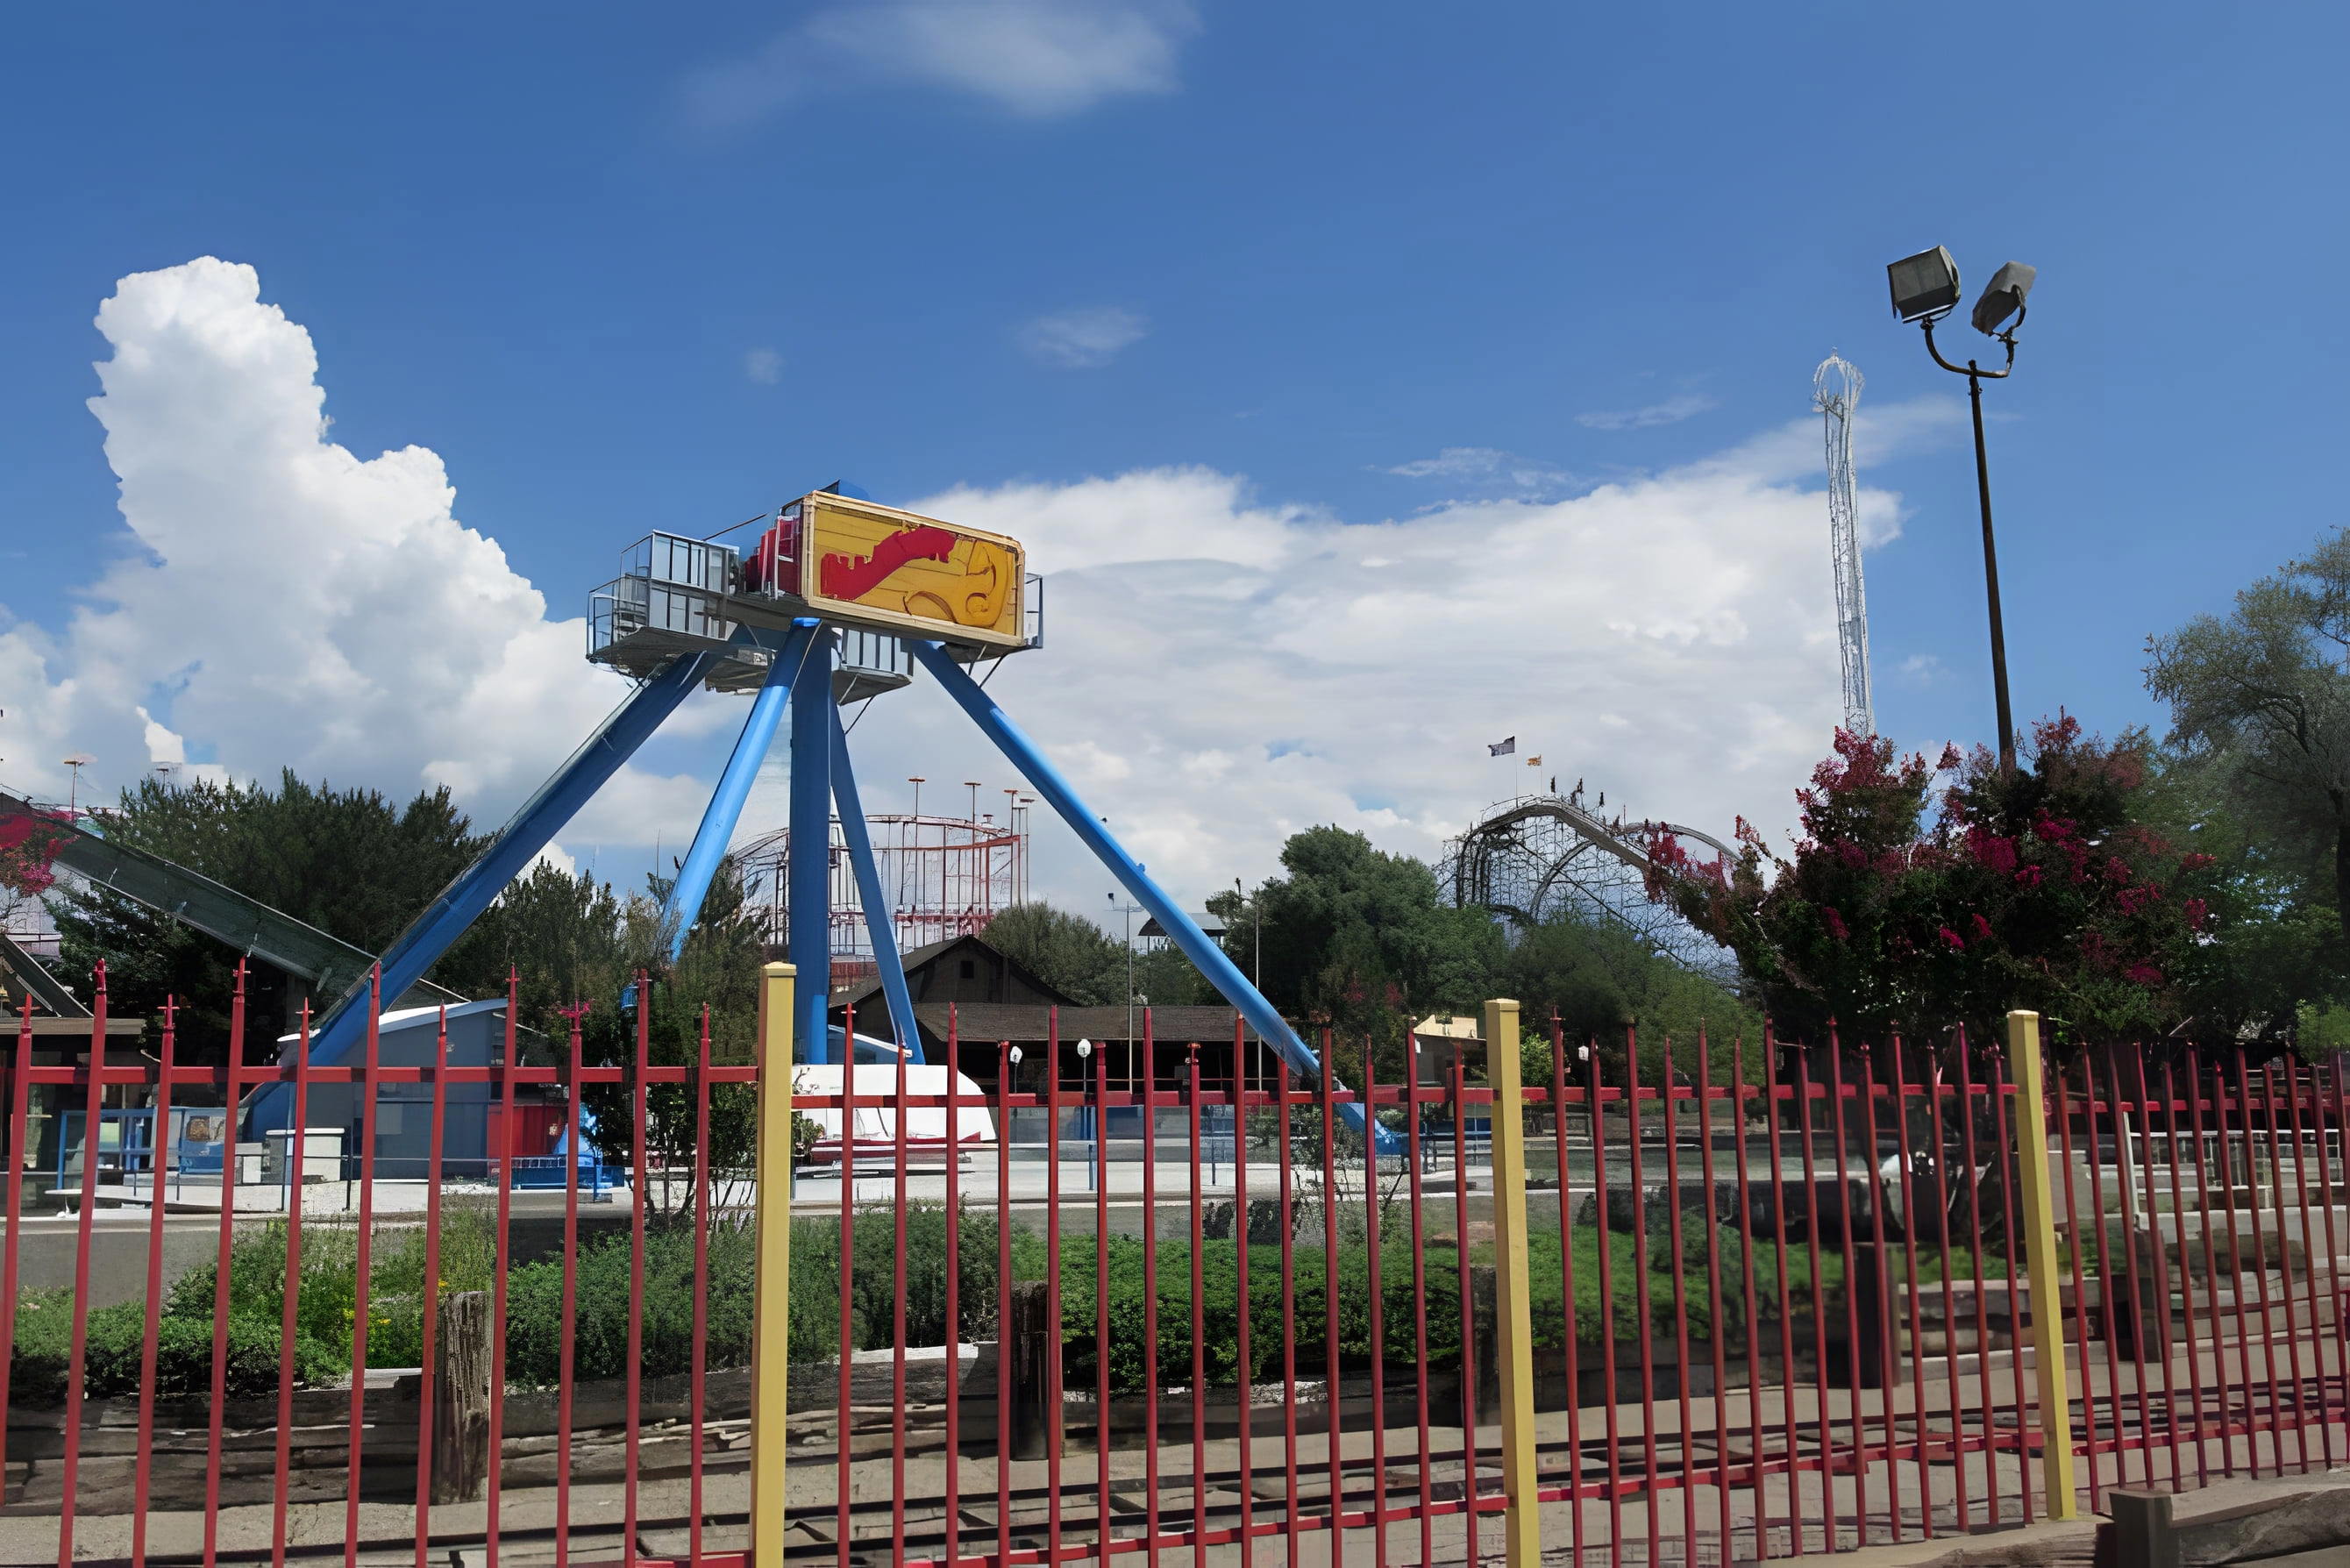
[
  {"x": 1211, "y": 925},
  {"x": 869, "y": 989},
  {"x": 1450, "y": 1026},
  {"x": 999, "y": 1021}
]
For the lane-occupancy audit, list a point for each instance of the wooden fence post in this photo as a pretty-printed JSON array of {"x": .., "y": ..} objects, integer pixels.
[
  {"x": 771, "y": 1338},
  {"x": 461, "y": 1400},
  {"x": 1028, "y": 1338},
  {"x": 1514, "y": 1310},
  {"x": 2039, "y": 1265}
]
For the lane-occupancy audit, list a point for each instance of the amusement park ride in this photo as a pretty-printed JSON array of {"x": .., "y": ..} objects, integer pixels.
[{"x": 840, "y": 599}]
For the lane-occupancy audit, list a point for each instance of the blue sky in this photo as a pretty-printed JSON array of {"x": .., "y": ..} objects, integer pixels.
[{"x": 620, "y": 270}]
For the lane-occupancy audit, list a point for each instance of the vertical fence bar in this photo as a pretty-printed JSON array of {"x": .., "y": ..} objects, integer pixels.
[
  {"x": 232, "y": 1095},
  {"x": 1514, "y": 1309},
  {"x": 1920, "y": 1421},
  {"x": 159, "y": 1154},
  {"x": 1244, "y": 1374},
  {"x": 698, "y": 1367},
  {"x": 2221, "y": 1395},
  {"x": 954, "y": 1290},
  {"x": 1415, "y": 1182},
  {"x": 2039, "y": 1265},
  {"x": 844, "y": 1280},
  {"x": 2275, "y": 1421},
  {"x": 1828, "y": 1538},
  {"x": 1287, "y": 1176},
  {"x": 78, "y": 1355},
  {"x": 1566, "y": 1287},
  {"x": 432, "y": 1295},
  {"x": 1787, "y": 1299},
  {"x": 1056, "y": 1400},
  {"x": 1976, "y": 1170},
  {"x": 1336, "y": 1446},
  {"x": 898, "y": 1304},
  {"x": 1378, "y": 1305},
  {"x": 1880, "y": 1286},
  {"x": 1199, "y": 1320},
  {"x": 502, "y": 1258},
  {"x": 1003, "y": 1389},
  {"x": 771, "y": 1334},
  {"x": 20, "y": 1090},
  {"x": 1607, "y": 1319},
  {"x": 2161, "y": 1258},
  {"x": 2091, "y": 1447},
  {"x": 2125, "y": 1186},
  {"x": 2243, "y": 1383},
  {"x": 1643, "y": 1305},
  {"x": 2333, "y": 1257},
  {"x": 1099, "y": 1155},
  {"x": 2284, "y": 1261},
  {"x": 1150, "y": 1522},
  {"x": 1746, "y": 1280},
  {"x": 641, "y": 1198},
  {"x": 2186, "y": 1274},
  {"x": 2012, "y": 1229},
  {"x": 1674, "y": 1223},
  {"x": 1716, "y": 1318},
  {"x": 1840, "y": 1114},
  {"x": 1467, "y": 1301},
  {"x": 297, "y": 1146},
  {"x": 563, "y": 1354},
  {"x": 363, "y": 1270}
]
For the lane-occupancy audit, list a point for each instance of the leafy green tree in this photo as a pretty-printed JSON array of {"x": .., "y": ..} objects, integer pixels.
[
  {"x": 2260, "y": 704},
  {"x": 1360, "y": 939},
  {"x": 349, "y": 862},
  {"x": 1604, "y": 986},
  {"x": 1067, "y": 952}
]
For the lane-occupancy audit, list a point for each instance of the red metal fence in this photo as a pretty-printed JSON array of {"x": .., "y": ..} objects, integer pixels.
[{"x": 1778, "y": 1300}]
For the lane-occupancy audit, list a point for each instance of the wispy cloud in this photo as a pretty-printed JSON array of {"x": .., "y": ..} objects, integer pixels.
[
  {"x": 763, "y": 366},
  {"x": 1085, "y": 338},
  {"x": 1483, "y": 465},
  {"x": 1036, "y": 58},
  {"x": 1671, "y": 411},
  {"x": 1922, "y": 669}
]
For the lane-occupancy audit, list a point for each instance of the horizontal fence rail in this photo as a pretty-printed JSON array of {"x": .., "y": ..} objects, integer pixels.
[{"x": 1089, "y": 1302}]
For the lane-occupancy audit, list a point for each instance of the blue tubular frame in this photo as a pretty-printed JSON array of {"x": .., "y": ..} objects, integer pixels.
[
  {"x": 540, "y": 819},
  {"x": 879, "y": 926},
  {"x": 1211, "y": 959},
  {"x": 808, "y": 877},
  {"x": 725, "y": 807}
]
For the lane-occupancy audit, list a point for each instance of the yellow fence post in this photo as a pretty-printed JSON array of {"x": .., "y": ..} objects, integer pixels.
[
  {"x": 771, "y": 1340},
  {"x": 2039, "y": 1265},
  {"x": 1513, "y": 1312}
]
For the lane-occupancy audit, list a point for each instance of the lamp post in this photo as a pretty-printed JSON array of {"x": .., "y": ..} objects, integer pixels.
[{"x": 1924, "y": 289}]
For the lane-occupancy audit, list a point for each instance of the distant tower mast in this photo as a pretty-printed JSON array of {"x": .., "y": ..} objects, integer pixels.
[{"x": 1836, "y": 391}]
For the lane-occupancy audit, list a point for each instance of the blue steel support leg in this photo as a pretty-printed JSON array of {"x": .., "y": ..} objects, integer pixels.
[
  {"x": 725, "y": 809},
  {"x": 809, "y": 891},
  {"x": 516, "y": 845},
  {"x": 1047, "y": 782},
  {"x": 879, "y": 926}
]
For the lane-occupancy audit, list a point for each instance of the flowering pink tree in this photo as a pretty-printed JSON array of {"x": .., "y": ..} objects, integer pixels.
[
  {"x": 2043, "y": 889},
  {"x": 29, "y": 842}
]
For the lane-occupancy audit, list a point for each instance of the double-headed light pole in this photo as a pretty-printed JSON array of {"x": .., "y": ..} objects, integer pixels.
[{"x": 1926, "y": 289}]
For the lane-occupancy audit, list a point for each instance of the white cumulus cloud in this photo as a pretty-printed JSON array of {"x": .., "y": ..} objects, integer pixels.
[
  {"x": 763, "y": 366},
  {"x": 289, "y": 604},
  {"x": 1219, "y": 672},
  {"x": 1085, "y": 338},
  {"x": 1036, "y": 58}
]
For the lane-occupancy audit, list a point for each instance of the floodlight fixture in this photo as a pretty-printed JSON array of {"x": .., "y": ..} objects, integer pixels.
[
  {"x": 1085, "y": 1049},
  {"x": 1926, "y": 286},
  {"x": 2003, "y": 297}
]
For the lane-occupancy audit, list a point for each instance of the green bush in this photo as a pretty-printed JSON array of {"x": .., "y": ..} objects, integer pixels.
[{"x": 113, "y": 1353}]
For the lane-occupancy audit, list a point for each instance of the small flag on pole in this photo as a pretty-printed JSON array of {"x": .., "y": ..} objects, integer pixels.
[
  {"x": 1533, "y": 761},
  {"x": 1508, "y": 748}
]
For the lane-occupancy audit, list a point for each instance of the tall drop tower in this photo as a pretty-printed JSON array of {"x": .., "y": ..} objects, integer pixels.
[{"x": 1836, "y": 391}]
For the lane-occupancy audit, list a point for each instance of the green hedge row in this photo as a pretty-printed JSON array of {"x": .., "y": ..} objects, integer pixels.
[{"x": 596, "y": 1329}]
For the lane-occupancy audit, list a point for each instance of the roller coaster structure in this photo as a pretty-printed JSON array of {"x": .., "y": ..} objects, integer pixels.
[{"x": 1531, "y": 857}]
